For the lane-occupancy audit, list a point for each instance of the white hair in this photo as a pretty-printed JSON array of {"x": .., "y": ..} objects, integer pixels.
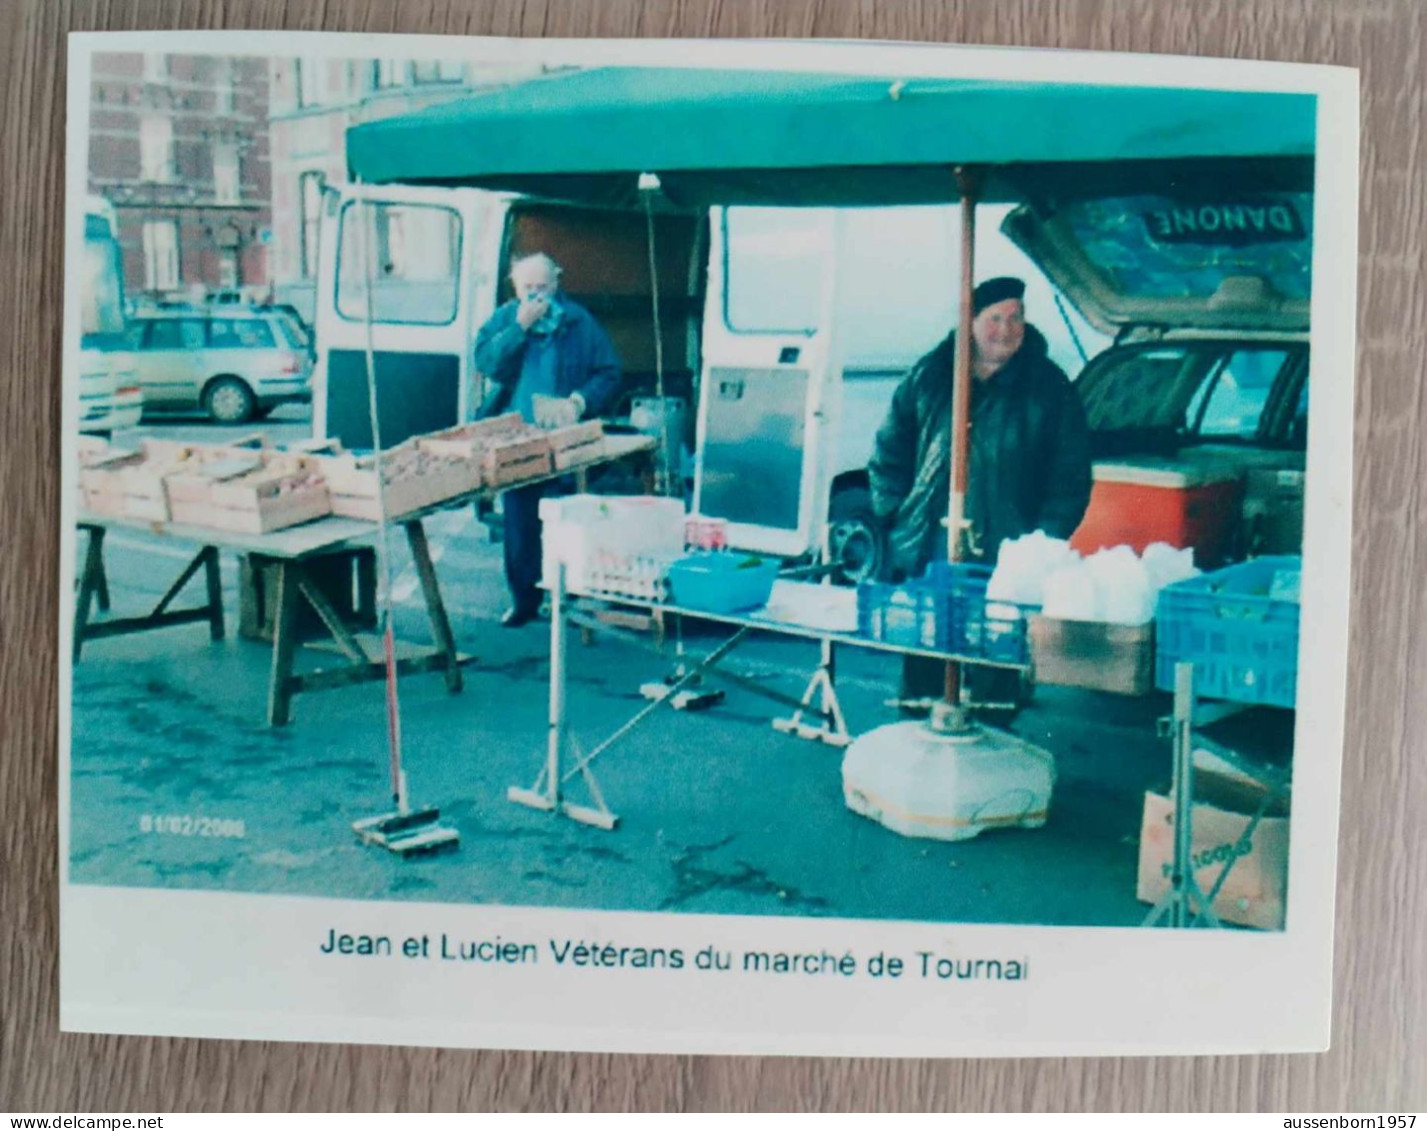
[{"x": 537, "y": 257}]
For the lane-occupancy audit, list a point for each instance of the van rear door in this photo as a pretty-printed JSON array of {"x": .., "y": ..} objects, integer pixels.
[
  {"x": 765, "y": 399},
  {"x": 416, "y": 291}
]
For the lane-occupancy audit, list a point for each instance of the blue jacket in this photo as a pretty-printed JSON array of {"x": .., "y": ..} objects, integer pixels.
[{"x": 588, "y": 364}]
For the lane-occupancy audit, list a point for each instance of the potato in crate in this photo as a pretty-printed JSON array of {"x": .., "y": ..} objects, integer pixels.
[
  {"x": 282, "y": 490},
  {"x": 469, "y": 441},
  {"x": 131, "y": 484},
  {"x": 412, "y": 478}
]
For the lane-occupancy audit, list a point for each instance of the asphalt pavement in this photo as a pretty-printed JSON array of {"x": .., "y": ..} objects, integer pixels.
[{"x": 718, "y": 812}]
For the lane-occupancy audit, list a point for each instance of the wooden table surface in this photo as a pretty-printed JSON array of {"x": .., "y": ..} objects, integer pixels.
[{"x": 1378, "y": 1062}]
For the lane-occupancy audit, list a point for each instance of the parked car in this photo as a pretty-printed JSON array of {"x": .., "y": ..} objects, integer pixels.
[
  {"x": 235, "y": 365},
  {"x": 1207, "y": 381}
]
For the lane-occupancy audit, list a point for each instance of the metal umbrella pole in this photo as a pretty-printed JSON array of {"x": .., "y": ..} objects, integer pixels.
[{"x": 404, "y": 831}]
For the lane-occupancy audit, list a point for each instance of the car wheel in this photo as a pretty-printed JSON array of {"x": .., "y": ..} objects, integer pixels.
[
  {"x": 856, "y": 543},
  {"x": 229, "y": 401}
]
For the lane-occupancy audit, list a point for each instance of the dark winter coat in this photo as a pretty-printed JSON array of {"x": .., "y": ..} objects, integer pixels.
[
  {"x": 1029, "y": 465},
  {"x": 587, "y": 361}
]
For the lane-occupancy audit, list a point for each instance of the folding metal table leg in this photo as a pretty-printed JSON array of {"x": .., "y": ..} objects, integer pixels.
[{"x": 822, "y": 687}]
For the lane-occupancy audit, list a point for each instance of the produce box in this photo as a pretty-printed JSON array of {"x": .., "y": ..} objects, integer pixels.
[
  {"x": 611, "y": 543},
  {"x": 1239, "y": 627},
  {"x": 946, "y": 611},
  {"x": 469, "y": 441},
  {"x": 1254, "y": 891},
  {"x": 130, "y": 483},
  {"x": 252, "y": 494},
  {"x": 1101, "y": 657},
  {"x": 506, "y": 462},
  {"x": 576, "y": 444},
  {"x": 413, "y": 478}
]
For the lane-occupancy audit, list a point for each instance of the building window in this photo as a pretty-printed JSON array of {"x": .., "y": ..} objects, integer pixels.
[
  {"x": 223, "y": 101},
  {"x": 229, "y": 275},
  {"x": 161, "y": 255},
  {"x": 309, "y": 204},
  {"x": 431, "y": 72},
  {"x": 392, "y": 72},
  {"x": 227, "y": 185},
  {"x": 309, "y": 82},
  {"x": 156, "y": 148}
]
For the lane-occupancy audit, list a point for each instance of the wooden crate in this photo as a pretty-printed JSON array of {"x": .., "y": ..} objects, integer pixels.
[
  {"x": 414, "y": 479},
  {"x": 250, "y": 493},
  {"x": 508, "y": 462},
  {"x": 580, "y": 443},
  {"x": 261, "y": 507},
  {"x": 130, "y": 484},
  {"x": 469, "y": 441}
]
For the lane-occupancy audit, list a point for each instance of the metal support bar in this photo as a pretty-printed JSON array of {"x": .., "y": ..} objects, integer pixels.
[
  {"x": 547, "y": 792},
  {"x": 821, "y": 687},
  {"x": 1185, "y": 904}
]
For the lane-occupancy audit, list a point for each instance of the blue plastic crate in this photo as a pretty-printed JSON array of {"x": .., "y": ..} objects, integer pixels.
[
  {"x": 1243, "y": 643},
  {"x": 945, "y": 610},
  {"x": 911, "y": 615},
  {"x": 722, "y": 581}
]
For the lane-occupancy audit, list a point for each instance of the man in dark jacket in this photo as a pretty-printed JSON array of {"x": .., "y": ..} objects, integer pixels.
[
  {"x": 546, "y": 358},
  {"x": 1029, "y": 466}
]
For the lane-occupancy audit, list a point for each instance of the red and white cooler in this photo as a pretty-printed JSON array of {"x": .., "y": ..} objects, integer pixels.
[{"x": 1186, "y": 503}]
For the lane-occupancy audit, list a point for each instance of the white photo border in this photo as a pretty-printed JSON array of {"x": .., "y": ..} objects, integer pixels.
[{"x": 190, "y": 963}]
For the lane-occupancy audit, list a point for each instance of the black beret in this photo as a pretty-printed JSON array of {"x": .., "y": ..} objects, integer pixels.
[{"x": 992, "y": 291}]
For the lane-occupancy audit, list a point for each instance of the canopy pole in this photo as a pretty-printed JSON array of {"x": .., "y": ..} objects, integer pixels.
[
  {"x": 968, "y": 183},
  {"x": 664, "y": 473}
]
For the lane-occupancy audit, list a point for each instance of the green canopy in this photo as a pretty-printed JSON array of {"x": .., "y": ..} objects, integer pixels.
[{"x": 815, "y": 139}]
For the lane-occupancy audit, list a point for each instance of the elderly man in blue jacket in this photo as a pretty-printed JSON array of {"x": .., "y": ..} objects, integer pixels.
[{"x": 546, "y": 358}]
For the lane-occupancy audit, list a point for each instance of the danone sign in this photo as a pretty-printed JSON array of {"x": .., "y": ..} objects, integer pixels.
[{"x": 1234, "y": 223}]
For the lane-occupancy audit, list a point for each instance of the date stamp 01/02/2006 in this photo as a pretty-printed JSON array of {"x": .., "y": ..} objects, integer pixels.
[{"x": 186, "y": 824}]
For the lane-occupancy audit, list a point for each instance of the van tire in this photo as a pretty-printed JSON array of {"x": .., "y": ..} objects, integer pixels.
[
  {"x": 857, "y": 542},
  {"x": 228, "y": 400}
]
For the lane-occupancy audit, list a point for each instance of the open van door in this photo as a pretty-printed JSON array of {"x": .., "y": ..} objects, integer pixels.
[
  {"x": 428, "y": 295},
  {"x": 767, "y": 410}
]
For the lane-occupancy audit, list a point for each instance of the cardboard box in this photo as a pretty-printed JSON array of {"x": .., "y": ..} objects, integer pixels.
[
  {"x": 1256, "y": 888},
  {"x": 1102, "y": 657}
]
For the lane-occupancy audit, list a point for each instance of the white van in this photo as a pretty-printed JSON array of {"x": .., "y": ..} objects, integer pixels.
[
  {"x": 785, "y": 329},
  {"x": 109, "y": 395}
]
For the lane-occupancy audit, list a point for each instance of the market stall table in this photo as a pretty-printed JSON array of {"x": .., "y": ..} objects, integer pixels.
[
  {"x": 778, "y": 616},
  {"x": 289, "y": 553}
]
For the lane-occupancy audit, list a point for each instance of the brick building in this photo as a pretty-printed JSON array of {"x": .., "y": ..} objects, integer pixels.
[
  {"x": 179, "y": 144},
  {"x": 313, "y": 101}
]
